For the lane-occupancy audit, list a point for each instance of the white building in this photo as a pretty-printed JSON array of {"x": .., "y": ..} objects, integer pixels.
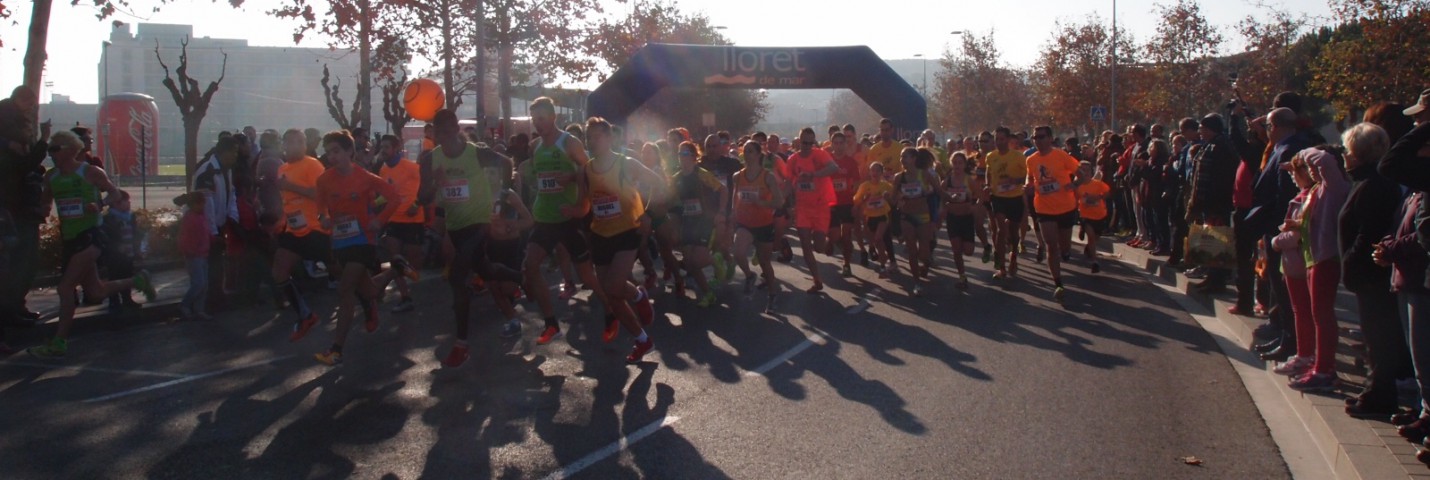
[{"x": 266, "y": 87}]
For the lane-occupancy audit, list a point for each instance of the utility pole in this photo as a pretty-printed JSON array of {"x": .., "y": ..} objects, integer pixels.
[{"x": 1112, "y": 115}]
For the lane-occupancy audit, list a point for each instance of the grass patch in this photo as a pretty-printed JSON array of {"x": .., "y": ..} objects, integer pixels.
[{"x": 171, "y": 169}]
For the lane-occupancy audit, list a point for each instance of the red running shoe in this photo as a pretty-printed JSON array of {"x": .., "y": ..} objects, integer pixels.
[
  {"x": 551, "y": 333},
  {"x": 301, "y": 328},
  {"x": 613, "y": 328},
  {"x": 639, "y": 351},
  {"x": 456, "y": 357}
]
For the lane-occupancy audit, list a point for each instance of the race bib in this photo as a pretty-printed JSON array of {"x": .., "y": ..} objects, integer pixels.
[
  {"x": 296, "y": 221},
  {"x": 960, "y": 197},
  {"x": 456, "y": 191},
  {"x": 606, "y": 207},
  {"x": 345, "y": 228},
  {"x": 1006, "y": 187},
  {"x": 70, "y": 207},
  {"x": 841, "y": 185},
  {"x": 1049, "y": 187},
  {"x": 911, "y": 191},
  {"x": 805, "y": 186},
  {"x": 749, "y": 195},
  {"x": 876, "y": 204},
  {"x": 547, "y": 183},
  {"x": 1091, "y": 201},
  {"x": 692, "y": 207}
]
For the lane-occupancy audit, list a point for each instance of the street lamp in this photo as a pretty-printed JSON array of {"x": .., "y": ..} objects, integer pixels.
[
  {"x": 925, "y": 87},
  {"x": 1112, "y": 113}
]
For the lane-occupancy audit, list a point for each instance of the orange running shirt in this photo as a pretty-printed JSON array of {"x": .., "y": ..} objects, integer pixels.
[
  {"x": 1050, "y": 174},
  {"x": 818, "y": 192},
  {"x": 1092, "y": 203},
  {"x": 347, "y": 199},
  {"x": 300, "y": 213},
  {"x": 407, "y": 177},
  {"x": 749, "y": 192}
]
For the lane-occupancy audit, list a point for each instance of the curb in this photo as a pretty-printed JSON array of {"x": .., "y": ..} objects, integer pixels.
[{"x": 1350, "y": 448}]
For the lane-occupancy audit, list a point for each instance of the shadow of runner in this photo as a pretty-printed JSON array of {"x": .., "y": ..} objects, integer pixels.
[
  {"x": 666, "y": 450},
  {"x": 823, "y": 360}
]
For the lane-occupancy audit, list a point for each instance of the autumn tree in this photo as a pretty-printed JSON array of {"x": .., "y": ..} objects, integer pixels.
[
  {"x": 974, "y": 89},
  {"x": 614, "y": 41},
  {"x": 1187, "y": 80},
  {"x": 1076, "y": 69},
  {"x": 351, "y": 24},
  {"x": 444, "y": 32},
  {"x": 1378, "y": 54},
  {"x": 847, "y": 108},
  {"x": 393, "y": 109},
  {"x": 193, "y": 102},
  {"x": 538, "y": 40}
]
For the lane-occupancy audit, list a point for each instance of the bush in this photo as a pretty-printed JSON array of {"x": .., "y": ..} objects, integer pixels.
[{"x": 161, "y": 225}]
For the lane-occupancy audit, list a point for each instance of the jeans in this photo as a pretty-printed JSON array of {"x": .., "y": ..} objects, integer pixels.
[
  {"x": 1245, "y": 261},
  {"x": 197, "y": 294},
  {"x": 1279, "y": 305},
  {"x": 1388, "y": 357},
  {"x": 1415, "y": 312},
  {"x": 1159, "y": 222},
  {"x": 24, "y": 261}
]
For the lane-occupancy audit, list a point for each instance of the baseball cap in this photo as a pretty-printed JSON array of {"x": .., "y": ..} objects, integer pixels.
[{"x": 1419, "y": 106}]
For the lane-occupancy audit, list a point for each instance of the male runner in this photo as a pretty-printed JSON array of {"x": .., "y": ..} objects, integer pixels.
[
  {"x": 1052, "y": 174},
  {"x": 303, "y": 237},
  {"x": 842, "y": 223},
  {"x": 1007, "y": 173},
  {"x": 406, "y": 230},
  {"x": 811, "y": 169}
]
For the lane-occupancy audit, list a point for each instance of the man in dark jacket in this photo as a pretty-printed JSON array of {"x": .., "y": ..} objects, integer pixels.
[
  {"x": 1212, "y": 182},
  {"x": 1408, "y": 163},
  {"x": 1367, "y": 217},
  {"x": 21, "y": 177},
  {"x": 1271, "y": 194}
]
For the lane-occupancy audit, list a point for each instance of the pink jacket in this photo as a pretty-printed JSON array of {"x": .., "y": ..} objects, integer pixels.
[{"x": 194, "y": 235}]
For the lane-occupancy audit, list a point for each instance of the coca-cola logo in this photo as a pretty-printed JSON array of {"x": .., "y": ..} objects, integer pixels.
[{"x": 142, "y": 131}]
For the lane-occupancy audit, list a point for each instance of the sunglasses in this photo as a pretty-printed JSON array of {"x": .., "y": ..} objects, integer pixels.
[{"x": 687, "y": 153}]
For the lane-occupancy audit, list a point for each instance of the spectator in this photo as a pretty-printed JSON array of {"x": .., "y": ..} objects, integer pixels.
[
  {"x": 214, "y": 177},
  {"x": 1271, "y": 193},
  {"x": 87, "y": 136},
  {"x": 120, "y": 249},
  {"x": 21, "y": 181},
  {"x": 1320, "y": 247},
  {"x": 270, "y": 157},
  {"x": 1210, "y": 202},
  {"x": 1366, "y": 218},
  {"x": 194, "y": 244},
  {"x": 1178, "y": 186},
  {"x": 1408, "y": 163}
]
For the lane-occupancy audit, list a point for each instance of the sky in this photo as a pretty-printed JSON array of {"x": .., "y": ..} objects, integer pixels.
[{"x": 908, "y": 27}]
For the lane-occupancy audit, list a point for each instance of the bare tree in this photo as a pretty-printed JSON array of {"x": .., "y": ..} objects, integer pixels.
[
  {"x": 193, "y": 103},
  {"x": 392, "y": 108},
  {"x": 335, "y": 102}
]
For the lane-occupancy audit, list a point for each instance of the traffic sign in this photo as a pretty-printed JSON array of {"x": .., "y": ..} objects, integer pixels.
[{"x": 1098, "y": 113}]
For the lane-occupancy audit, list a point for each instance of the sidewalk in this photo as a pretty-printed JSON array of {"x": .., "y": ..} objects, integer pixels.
[{"x": 1352, "y": 448}]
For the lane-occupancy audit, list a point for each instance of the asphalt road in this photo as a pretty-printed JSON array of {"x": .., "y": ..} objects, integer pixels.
[{"x": 991, "y": 383}]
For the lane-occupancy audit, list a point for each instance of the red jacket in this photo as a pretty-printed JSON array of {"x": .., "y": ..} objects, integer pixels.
[{"x": 194, "y": 235}]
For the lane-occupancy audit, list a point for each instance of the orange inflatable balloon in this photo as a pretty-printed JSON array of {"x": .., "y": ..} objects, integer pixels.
[{"x": 422, "y": 98}]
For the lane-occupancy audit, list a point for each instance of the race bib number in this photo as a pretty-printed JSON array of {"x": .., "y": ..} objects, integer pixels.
[
  {"x": 911, "y": 191},
  {"x": 749, "y": 195},
  {"x": 1007, "y": 187},
  {"x": 345, "y": 228},
  {"x": 547, "y": 183},
  {"x": 692, "y": 208},
  {"x": 1047, "y": 188},
  {"x": 70, "y": 207},
  {"x": 805, "y": 186},
  {"x": 606, "y": 207},
  {"x": 1091, "y": 201},
  {"x": 876, "y": 204},
  {"x": 960, "y": 197},
  {"x": 456, "y": 191},
  {"x": 297, "y": 221},
  {"x": 841, "y": 185}
]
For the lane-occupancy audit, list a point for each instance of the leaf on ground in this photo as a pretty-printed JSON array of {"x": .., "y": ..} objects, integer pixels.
[{"x": 1192, "y": 461}]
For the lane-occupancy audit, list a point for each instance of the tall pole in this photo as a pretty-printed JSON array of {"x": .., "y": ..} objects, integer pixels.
[
  {"x": 1113, "y": 110},
  {"x": 108, "y": 146}
]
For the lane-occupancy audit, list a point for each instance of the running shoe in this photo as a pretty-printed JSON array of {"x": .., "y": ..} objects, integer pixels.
[
  {"x": 1066, "y": 257},
  {"x": 770, "y": 304},
  {"x": 987, "y": 253},
  {"x": 749, "y": 283},
  {"x": 404, "y": 305},
  {"x": 547, "y": 335},
  {"x": 650, "y": 279},
  {"x": 914, "y": 291},
  {"x": 645, "y": 311},
  {"x": 1314, "y": 382},
  {"x": 1096, "y": 268},
  {"x": 55, "y": 348},
  {"x": 613, "y": 328},
  {"x": 707, "y": 300},
  {"x": 1022, "y": 248},
  {"x": 329, "y": 358},
  {"x": 999, "y": 275},
  {"x": 963, "y": 284},
  {"x": 722, "y": 270},
  {"x": 1059, "y": 293},
  {"x": 405, "y": 269},
  {"x": 512, "y": 329},
  {"x": 371, "y": 323},
  {"x": 567, "y": 291},
  {"x": 848, "y": 272},
  {"x": 301, "y": 327},
  {"x": 456, "y": 357},
  {"x": 640, "y": 349},
  {"x": 864, "y": 259},
  {"x": 479, "y": 287},
  {"x": 818, "y": 287},
  {"x": 1039, "y": 257},
  {"x": 1296, "y": 367},
  {"x": 144, "y": 283}
]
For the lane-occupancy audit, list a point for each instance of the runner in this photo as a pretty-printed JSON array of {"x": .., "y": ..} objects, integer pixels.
[
  {"x": 75, "y": 186},
  {"x": 980, "y": 174},
  {"x": 757, "y": 194},
  {"x": 702, "y": 204},
  {"x": 841, "y": 216},
  {"x": 407, "y": 229},
  {"x": 511, "y": 221},
  {"x": 462, "y": 173},
  {"x": 557, "y": 158},
  {"x": 658, "y": 232},
  {"x": 1051, "y": 176},
  {"x": 873, "y": 198},
  {"x": 917, "y": 190},
  {"x": 345, "y": 195},
  {"x": 303, "y": 237},
  {"x": 1092, "y": 208},
  {"x": 1007, "y": 173},
  {"x": 963, "y": 193},
  {"x": 715, "y": 159},
  {"x": 617, "y": 215},
  {"x": 812, "y": 169}
]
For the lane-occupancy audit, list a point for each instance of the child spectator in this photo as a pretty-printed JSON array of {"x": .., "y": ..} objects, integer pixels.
[
  {"x": 194, "y": 245},
  {"x": 121, "y": 250}
]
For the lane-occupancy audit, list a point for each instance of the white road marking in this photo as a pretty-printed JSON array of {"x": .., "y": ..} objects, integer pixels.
[
  {"x": 816, "y": 337},
  {"x": 612, "y": 449},
  {"x": 92, "y": 369},
  {"x": 186, "y": 379}
]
